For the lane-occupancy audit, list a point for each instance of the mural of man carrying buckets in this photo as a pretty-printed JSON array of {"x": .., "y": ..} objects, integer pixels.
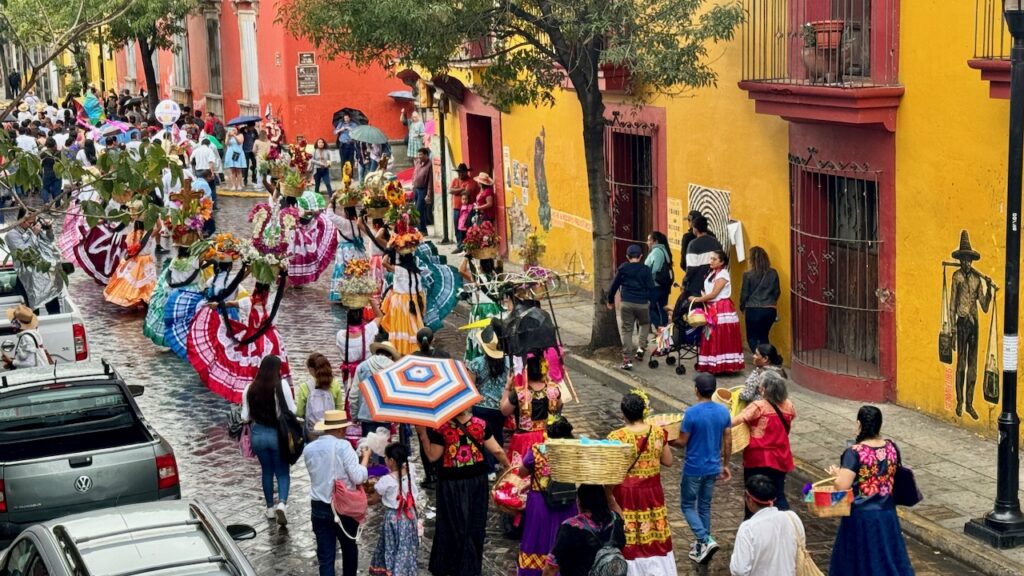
[{"x": 970, "y": 289}]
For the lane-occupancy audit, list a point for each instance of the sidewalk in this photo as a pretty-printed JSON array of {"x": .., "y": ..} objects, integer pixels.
[{"x": 955, "y": 468}]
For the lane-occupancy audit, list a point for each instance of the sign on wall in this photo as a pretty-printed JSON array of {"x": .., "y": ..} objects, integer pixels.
[
  {"x": 676, "y": 218},
  {"x": 307, "y": 75}
]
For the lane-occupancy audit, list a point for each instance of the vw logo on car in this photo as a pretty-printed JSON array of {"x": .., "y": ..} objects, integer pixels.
[{"x": 83, "y": 484}]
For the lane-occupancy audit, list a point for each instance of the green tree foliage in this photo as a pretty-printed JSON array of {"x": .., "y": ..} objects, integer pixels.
[{"x": 536, "y": 45}]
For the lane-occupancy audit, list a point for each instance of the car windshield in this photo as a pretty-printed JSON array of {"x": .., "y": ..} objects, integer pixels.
[{"x": 29, "y": 419}]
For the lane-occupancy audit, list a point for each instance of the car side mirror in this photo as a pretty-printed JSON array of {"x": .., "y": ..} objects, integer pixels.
[
  {"x": 136, "y": 390},
  {"x": 239, "y": 532}
]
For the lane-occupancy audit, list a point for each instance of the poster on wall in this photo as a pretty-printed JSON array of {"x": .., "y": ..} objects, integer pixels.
[
  {"x": 515, "y": 173},
  {"x": 307, "y": 80},
  {"x": 506, "y": 161},
  {"x": 676, "y": 218},
  {"x": 714, "y": 205}
]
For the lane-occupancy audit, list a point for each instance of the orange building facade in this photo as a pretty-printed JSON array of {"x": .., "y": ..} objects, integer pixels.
[{"x": 234, "y": 59}]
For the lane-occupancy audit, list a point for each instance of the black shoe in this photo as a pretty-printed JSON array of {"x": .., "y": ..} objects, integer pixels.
[
  {"x": 639, "y": 354},
  {"x": 971, "y": 412},
  {"x": 959, "y": 409}
]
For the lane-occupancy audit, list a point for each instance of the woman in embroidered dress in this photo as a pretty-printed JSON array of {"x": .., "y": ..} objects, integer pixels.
[
  {"x": 462, "y": 493},
  {"x": 540, "y": 521},
  {"x": 640, "y": 498},
  {"x": 534, "y": 390},
  {"x": 314, "y": 242},
  {"x": 377, "y": 249},
  {"x": 721, "y": 347},
  {"x": 770, "y": 419},
  {"x": 183, "y": 304},
  {"x": 403, "y": 305},
  {"x": 869, "y": 540},
  {"x": 353, "y": 342},
  {"x": 483, "y": 299},
  {"x": 227, "y": 353},
  {"x": 352, "y": 231},
  {"x": 399, "y": 537},
  {"x": 133, "y": 282},
  {"x": 75, "y": 227},
  {"x": 182, "y": 271}
]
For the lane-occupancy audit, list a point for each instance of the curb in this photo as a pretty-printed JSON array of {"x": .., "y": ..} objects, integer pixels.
[
  {"x": 233, "y": 194},
  {"x": 954, "y": 545}
]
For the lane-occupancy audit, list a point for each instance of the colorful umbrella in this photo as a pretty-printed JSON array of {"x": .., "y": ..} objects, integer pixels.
[{"x": 421, "y": 391}]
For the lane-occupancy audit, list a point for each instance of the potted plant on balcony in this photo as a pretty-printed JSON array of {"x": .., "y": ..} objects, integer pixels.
[
  {"x": 822, "y": 62},
  {"x": 828, "y": 33}
]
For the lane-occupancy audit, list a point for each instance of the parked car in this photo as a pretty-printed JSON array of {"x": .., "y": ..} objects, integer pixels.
[
  {"x": 63, "y": 334},
  {"x": 72, "y": 439},
  {"x": 180, "y": 538}
]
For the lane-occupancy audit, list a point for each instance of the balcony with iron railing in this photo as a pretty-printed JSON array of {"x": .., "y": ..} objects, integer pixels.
[
  {"x": 992, "y": 47},
  {"x": 823, "y": 60}
]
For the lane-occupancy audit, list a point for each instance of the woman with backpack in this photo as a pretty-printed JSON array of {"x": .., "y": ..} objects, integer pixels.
[
  {"x": 590, "y": 542},
  {"x": 659, "y": 260},
  {"x": 548, "y": 504},
  {"x": 640, "y": 498},
  {"x": 259, "y": 407},
  {"x": 315, "y": 398}
]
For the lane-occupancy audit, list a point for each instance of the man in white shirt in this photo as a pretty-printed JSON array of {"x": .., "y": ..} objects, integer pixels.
[
  {"x": 766, "y": 544},
  {"x": 26, "y": 142},
  {"x": 133, "y": 145},
  {"x": 330, "y": 458},
  {"x": 205, "y": 160}
]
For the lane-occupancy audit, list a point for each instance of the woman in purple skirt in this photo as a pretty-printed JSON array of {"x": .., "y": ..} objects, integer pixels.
[{"x": 543, "y": 515}]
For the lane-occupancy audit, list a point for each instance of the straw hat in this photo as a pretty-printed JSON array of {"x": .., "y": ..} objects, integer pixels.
[
  {"x": 488, "y": 340},
  {"x": 484, "y": 179},
  {"x": 386, "y": 347},
  {"x": 333, "y": 420},
  {"x": 23, "y": 315},
  {"x": 22, "y": 107}
]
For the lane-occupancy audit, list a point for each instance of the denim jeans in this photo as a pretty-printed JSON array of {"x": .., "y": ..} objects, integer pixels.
[
  {"x": 250, "y": 166},
  {"x": 421, "y": 207},
  {"x": 695, "y": 494},
  {"x": 322, "y": 175},
  {"x": 328, "y": 535},
  {"x": 659, "y": 316},
  {"x": 264, "y": 444},
  {"x": 52, "y": 188}
]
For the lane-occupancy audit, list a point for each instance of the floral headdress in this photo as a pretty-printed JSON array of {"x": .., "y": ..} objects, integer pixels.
[
  {"x": 480, "y": 236},
  {"x": 406, "y": 237},
  {"x": 187, "y": 218},
  {"x": 272, "y": 228},
  {"x": 357, "y": 278},
  {"x": 647, "y": 401},
  {"x": 225, "y": 247}
]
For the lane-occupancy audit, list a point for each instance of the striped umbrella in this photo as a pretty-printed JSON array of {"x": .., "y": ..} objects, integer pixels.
[{"x": 421, "y": 391}]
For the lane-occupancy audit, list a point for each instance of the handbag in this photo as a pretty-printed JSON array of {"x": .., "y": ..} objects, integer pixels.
[
  {"x": 236, "y": 156},
  {"x": 805, "y": 565},
  {"x": 290, "y": 433},
  {"x": 696, "y": 318},
  {"x": 245, "y": 442},
  {"x": 990, "y": 383},
  {"x": 904, "y": 486},
  {"x": 946, "y": 332},
  {"x": 346, "y": 501}
]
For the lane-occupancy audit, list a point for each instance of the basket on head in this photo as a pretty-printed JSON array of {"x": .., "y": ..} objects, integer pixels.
[
  {"x": 669, "y": 422},
  {"x": 824, "y": 501},
  {"x": 407, "y": 250},
  {"x": 293, "y": 191},
  {"x": 604, "y": 463},
  {"x": 355, "y": 300},
  {"x": 184, "y": 239},
  {"x": 488, "y": 253},
  {"x": 376, "y": 211}
]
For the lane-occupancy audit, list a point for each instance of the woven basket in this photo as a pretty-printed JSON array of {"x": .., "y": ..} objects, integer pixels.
[
  {"x": 823, "y": 501},
  {"x": 293, "y": 191},
  {"x": 669, "y": 422},
  {"x": 740, "y": 437},
  {"x": 355, "y": 300},
  {"x": 278, "y": 170},
  {"x": 187, "y": 239},
  {"x": 576, "y": 463},
  {"x": 407, "y": 250},
  {"x": 376, "y": 211},
  {"x": 510, "y": 473},
  {"x": 485, "y": 253}
]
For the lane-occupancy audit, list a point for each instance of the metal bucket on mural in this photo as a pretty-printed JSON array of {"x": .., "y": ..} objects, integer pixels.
[
  {"x": 946, "y": 332},
  {"x": 990, "y": 387}
]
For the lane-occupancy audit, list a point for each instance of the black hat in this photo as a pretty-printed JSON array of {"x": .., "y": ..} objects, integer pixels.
[
  {"x": 966, "y": 252},
  {"x": 462, "y": 168}
]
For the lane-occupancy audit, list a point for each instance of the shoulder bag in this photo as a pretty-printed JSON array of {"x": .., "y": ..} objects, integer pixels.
[
  {"x": 804, "y": 563},
  {"x": 904, "y": 486},
  {"x": 346, "y": 501},
  {"x": 290, "y": 433},
  {"x": 785, "y": 424}
]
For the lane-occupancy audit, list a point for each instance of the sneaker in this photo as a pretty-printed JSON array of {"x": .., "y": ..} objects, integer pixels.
[
  {"x": 708, "y": 550},
  {"x": 282, "y": 520},
  {"x": 271, "y": 512},
  {"x": 627, "y": 364},
  {"x": 639, "y": 354},
  {"x": 694, "y": 551}
]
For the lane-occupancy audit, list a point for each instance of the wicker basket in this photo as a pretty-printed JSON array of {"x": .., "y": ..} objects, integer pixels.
[
  {"x": 604, "y": 464},
  {"x": 185, "y": 239},
  {"x": 355, "y": 300},
  {"x": 293, "y": 191},
  {"x": 510, "y": 474},
  {"x": 485, "y": 253},
  {"x": 277, "y": 170},
  {"x": 824, "y": 501},
  {"x": 407, "y": 250},
  {"x": 669, "y": 422},
  {"x": 376, "y": 211},
  {"x": 740, "y": 437}
]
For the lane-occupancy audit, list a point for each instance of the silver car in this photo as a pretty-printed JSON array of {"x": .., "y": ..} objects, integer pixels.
[{"x": 181, "y": 538}]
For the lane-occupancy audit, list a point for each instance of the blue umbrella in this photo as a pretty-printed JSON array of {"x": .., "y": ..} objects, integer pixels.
[{"x": 243, "y": 120}]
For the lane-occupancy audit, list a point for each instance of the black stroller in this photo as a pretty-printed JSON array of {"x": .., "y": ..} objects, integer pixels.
[{"x": 679, "y": 341}]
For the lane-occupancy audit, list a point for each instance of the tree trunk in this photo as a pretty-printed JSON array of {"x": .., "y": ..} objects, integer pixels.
[
  {"x": 152, "y": 94},
  {"x": 81, "y": 68},
  {"x": 604, "y": 330},
  {"x": 3, "y": 70}
]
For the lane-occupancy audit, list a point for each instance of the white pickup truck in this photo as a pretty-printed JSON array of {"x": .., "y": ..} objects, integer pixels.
[{"x": 63, "y": 334}]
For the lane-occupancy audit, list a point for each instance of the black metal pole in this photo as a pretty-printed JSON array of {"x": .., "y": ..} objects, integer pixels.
[
  {"x": 444, "y": 171},
  {"x": 1003, "y": 527}
]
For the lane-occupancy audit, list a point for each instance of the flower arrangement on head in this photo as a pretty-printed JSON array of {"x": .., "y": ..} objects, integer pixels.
[
  {"x": 375, "y": 199},
  {"x": 225, "y": 247},
  {"x": 272, "y": 228},
  {"x": 190, "y": 211},
  {"x": 531, "y": 250},
  {"x": 481, "y": 240},
  {"x": 406, "y": 237},
  {"x": 357, "y": 284},
  {"x": 296, "y": 176},
  {"x": 347, "y": 196}
]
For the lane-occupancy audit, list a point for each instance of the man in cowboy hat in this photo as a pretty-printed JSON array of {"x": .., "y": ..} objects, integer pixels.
[
  {"x": 423, "y": 186},
  {"x": 462, "y": 182},
  {"x": 27, "y": 350},
  {"x": 970, "y": 289},
  {"x": 330, "y": 458}
]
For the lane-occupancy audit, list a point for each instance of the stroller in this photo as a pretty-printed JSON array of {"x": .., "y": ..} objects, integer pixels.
[{"x": 678, "y": 341}]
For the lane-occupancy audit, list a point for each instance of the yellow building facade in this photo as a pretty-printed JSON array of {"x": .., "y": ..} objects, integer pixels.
[
  {"x": 101, "y": 67},
  {"x": 870, "y": 164}
]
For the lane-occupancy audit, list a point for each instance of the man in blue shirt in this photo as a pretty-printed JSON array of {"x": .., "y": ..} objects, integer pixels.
[
  {"x": 346, "y": 146},
  {"x": 706, "y": 433}
]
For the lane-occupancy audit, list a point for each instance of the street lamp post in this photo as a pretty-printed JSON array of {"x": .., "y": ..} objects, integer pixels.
[
  {"x": 1003, "y": 527},
  {"x": 439, "y": 96}
]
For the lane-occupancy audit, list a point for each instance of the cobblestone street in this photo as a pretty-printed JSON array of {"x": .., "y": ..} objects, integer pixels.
[{"x": 194, "y": 421}]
